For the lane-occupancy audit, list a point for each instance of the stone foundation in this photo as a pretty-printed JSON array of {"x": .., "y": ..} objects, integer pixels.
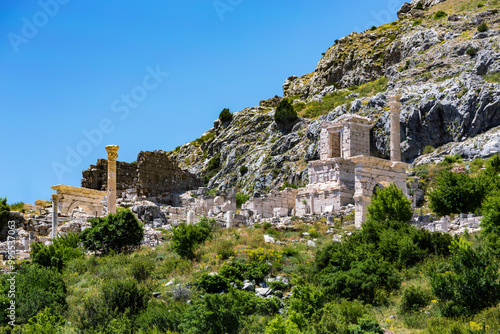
[{"x": 279, "y": 203}]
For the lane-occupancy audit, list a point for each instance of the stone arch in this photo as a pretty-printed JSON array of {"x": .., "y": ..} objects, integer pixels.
[{"x": 88, "y": 208}]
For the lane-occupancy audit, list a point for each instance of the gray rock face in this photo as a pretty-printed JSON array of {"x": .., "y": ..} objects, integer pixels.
[{"x": 445, "y": 99}]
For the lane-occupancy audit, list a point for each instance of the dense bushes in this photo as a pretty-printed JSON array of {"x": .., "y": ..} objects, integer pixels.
[
  {"x": 285, "y": 115},
  {"x": 390, "y": 205},
  {"x": 458, "y": 192},
  {"x": 37, "y": 288},
  {"x": 414, "y": 298},
  {"x": 225, "y": 115},
  {"x": 63, "y": 249},
  {"x": 471, "y": 285},
  {"x": 186, "y": 238},
  {"x": 4, "y": 212},
  {"x": 116, "y": 232},
  {"x": 213, "y": 167},
  {"x": 116, "y": 299}
]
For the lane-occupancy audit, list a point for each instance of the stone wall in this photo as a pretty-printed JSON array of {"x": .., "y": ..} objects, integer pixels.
[
  {"x": 154, "y": 175},
  {"x": 280, "y": 203},
  {"x": 96, "y": 177}
]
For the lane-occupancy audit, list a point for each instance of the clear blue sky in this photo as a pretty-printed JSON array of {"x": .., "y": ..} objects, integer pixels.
[{"x": 145, "y": 75}]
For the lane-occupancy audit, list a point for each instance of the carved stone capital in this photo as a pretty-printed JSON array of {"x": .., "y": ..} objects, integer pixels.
[
  {"x": 112, "y": 152},
  {"x": 55, "y": 198}
]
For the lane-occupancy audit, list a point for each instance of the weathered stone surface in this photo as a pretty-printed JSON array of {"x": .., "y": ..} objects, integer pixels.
[{"x": 153, "y": 175}]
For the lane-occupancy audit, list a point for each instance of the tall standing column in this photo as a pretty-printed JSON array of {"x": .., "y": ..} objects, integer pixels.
[
  {"x": 112, "y": 156},
  {"x": 55, "y": 203},
  {"x": 395, "y": 107}
]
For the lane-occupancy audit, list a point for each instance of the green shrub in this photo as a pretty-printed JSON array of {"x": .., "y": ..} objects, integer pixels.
[
  {"x": 257, "y": 270},
  {"x": 118, "y": 232},
  {"x": 281, "y": 326},
  {"x": 233, "y": 271},
  {"x": 490, "y": 224},
  {"x": 162, "y": 316},
  {"x": 212, "y": 283},
  {"x": 482, "y": 27},
  {"x": 367, "y": 325},
  {"x": 471, "y": 52},
  {"x": 338, "y": 316},
  {"x": 225, "y": 115},
  {"x": 18, "y": 206},
  {"x": 305, "y": 301},
  {"x": 390, "y": 204},
  {"x": 225, "y": 250},
  {"x": 470, "y": 286},
  {"x": 186, "y": 238},
  {"x": 213, "y": 314},
  {"x": 36, "y": 289},
  {"x": 213, "y": 167},
  {"x": 419, "y": 6},
  {"x": 124, "y": 295},
  {"x": 142, "y": 268},
  {"x": 44, "y": 322},
  {"x": 243, "y": 170},
  {"x": 414, "y": 298},
  {"x": 439, "y": 14},
  {"x": 241, "y": 199},
  {"x": 457, "y": 193},
  {"x": 4, "y": 212},
  {"x": 63, "y": 249},
  {"x": 285, "y": 114},
  {"x": 428, "y": 149}
]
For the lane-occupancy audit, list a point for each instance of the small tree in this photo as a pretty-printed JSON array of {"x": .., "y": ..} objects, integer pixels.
[
  {"x": 285, "y": 114},
  {"x": 470, "y": 286},
  {"x": 390, "y": 204},
  {"x": 457, "y": 193},
  {"x": 186, "y": 238},
  {"x": 225, "y": 115},
  {"x": 4, "y": 212},
  {"x": 117, "y": 232},
  {"x": 482, "y": 27}
]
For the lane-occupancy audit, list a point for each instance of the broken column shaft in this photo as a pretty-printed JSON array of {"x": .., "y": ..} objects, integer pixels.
[{"x": 395, "y": 107}]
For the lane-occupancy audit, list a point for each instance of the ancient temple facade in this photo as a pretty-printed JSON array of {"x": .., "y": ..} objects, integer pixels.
[{"x": 346, "y": 173}]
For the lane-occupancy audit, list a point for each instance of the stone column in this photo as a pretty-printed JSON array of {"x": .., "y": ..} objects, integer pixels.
[
  {"x": 190, "y": 217},
  {"x": 112, "y": 156},
  {"x": 55, "y": 203},
  {"x": 395, "y": 107},
  {"x": 229, "y": 219}
]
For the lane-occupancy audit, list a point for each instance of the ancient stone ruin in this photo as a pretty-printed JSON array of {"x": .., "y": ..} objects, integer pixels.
[
  {"x": 154, "y": 175},
  {"x": 346, "y": 173}
]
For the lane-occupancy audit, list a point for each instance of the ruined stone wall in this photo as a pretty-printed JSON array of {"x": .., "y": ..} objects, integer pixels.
[
  {"x": 96, "y": 177},
  {"x": 153, "y": 175},
  {"x": 280, "y": 203},
  {"x": 157, "y": 174},
  {"x": 356, "y": 140}
]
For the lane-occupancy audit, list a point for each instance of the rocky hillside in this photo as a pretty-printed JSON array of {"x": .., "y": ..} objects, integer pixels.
[{"x": 441, "y": 56}]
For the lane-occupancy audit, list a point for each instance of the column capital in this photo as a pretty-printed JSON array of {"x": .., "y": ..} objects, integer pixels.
[
  {"x": 394, "y": 103},
  {"x": 112, "y": 152},
  {"x": 55, "y": 197}
]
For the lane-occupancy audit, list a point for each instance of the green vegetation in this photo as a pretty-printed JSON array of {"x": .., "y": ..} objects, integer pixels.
[
  {"x": 62, "y": 250},
  {"x": 458, "y": 192},
  {"x": 4, "y": 212},
  {"x": 493, "y": 77},
  {"x": 285, "y": 114},
  {"x": 419, "y": 6},
  {"x": 18, "y": 206},
  {"x": 482, "y": 27},
  {"x": 186, "y": 238},
  {"x": 439, "y": 15},
  {"x": 118, "y": 232},
  {"x": 340, "y": 97},
  {"x": 243, "y": 170},
  {"x": 213, "y": 167},
  {"x": 428, "y": 149},
  {"x": 241, "y": 199},
  {"x": 225, "y": 115},
  {"x": 471, "y": 52}
]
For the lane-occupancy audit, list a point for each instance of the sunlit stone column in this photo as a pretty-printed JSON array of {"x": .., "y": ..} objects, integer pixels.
[
  {"x": 395, "y": 106},
  {"x": 55, "y": 203},
  {"x": 112, "y": 156}
]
